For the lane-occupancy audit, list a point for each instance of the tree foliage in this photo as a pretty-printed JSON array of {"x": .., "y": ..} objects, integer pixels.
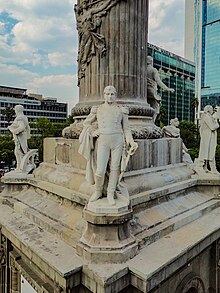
[
  {"x": 189, "y": 133},
  {"x": 7, "y": 149},
  {"x": 8, "y": 112}
]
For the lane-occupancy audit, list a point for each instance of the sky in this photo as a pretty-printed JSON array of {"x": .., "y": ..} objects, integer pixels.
[{"x": 38, "y": 43}]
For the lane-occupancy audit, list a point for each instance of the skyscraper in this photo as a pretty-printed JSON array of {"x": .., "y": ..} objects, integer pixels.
[
  {"x": 189, "y": 30},
  {"x": 178, "y": 73},
  {"x": 207, "y": 51}
]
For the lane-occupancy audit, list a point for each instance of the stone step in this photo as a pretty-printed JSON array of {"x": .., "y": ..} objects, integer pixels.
[
  {"x": 154, "y": 197},
  {"x": 154, "y": 231},
  {"x": 54, "y": 217},
  {"x": 160, "y": 260}
]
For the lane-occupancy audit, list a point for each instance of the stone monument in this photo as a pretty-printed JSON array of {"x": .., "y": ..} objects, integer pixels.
[
  {"x": 172, "y": 130},
  {"x": 61, "y": 233},
  {"x": 153, "y": 80},
  {"x": 114, "y": 135},
  {"x": 21, "y": 133},
  {"x": 110, "y": 53},
  {"x": 208, "y": 133}
]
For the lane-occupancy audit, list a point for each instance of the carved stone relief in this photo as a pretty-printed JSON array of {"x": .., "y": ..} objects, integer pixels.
[
  {"x": 62, "y": 153},
  {"x": 191, "y": 282},
  {"x": 89, "y": 15},
  {"x": 2, "y": 252}
]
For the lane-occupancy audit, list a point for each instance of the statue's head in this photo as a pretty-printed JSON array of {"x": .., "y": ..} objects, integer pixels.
[
  {"x": 174, "y": 122},
  {"x": 110, "y": 94},
  {"x": 19, "y": 109},
  {"x": 150, "y": 60},
  {"x": 208, "y": 109}
]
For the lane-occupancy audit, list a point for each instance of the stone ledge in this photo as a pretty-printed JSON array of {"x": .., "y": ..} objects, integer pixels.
[
  {"x": 102, "y": 207},
  {"x": 107, "y": 219},
  {"x": 147, "y": 196},
  {"x": 57, "y": 259}
]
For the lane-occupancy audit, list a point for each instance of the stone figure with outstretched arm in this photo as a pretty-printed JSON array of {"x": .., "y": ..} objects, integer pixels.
[
  {"x": 153, "y": 80},
  {"x": 112, "y": 134}
]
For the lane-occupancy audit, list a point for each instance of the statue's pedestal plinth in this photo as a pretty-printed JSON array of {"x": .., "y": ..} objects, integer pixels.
[{"x": 107, "y": 237}]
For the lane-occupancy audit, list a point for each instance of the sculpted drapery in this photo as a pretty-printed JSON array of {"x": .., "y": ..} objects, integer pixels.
[{"x": 89, "y": 18}]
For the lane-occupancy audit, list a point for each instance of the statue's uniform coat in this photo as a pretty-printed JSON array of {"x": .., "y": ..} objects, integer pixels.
[{"x": 208, "y": 137}]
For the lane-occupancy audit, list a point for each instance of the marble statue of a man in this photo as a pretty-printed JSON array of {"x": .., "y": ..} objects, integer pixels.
[
  {"x": 208, "y": 142},
  {"x": 21, "y": 133},
  {"x": 153, "y": 80},
  {"x": 173, "y": 131},
  {"x": 113, "y": 133}
]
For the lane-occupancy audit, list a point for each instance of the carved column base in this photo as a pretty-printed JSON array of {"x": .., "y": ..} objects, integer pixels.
[
  {"x": 140, "y": 120},
  {"x": 107, "y": 238}
]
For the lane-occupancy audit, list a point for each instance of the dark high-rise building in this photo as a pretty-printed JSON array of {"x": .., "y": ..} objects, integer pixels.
[{"x": 177, "y": 73}]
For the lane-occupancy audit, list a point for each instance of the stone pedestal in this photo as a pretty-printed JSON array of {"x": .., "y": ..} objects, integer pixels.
[{"x": 107, "y": 238}]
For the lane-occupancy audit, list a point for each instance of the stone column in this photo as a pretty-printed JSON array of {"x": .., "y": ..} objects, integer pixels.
[
  {"x": 121, "y": 58},
  {"x": 124, "y": 28}
]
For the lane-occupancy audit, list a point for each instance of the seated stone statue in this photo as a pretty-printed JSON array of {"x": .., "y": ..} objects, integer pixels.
[
  {"x": 172, "y": 130},
  {"x": 153, "y": 80},
  {"x": 208, "y": 142},
  {"x": 113, "y": 133}
]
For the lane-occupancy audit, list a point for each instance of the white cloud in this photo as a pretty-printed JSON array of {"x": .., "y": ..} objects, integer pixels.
[
  {"x": 45, "y": 40},
  {"x": 57, "y": 86},
  {"x": 12, "y": 75},
  {"x": 166, "y": 25},
  {"x": 60, "y": 59},
  {"x": 2, "y": 27}
]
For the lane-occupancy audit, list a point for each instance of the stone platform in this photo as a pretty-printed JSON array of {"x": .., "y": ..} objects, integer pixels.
[
  {"x": 157, "y": 162},
  {"x": 165, "y": 240},
  {"x": 47, "y": 230}
]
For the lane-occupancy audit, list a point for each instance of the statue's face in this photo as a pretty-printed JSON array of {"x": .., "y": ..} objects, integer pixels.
[
  {"x": 110, "y": 94},
  {"x": 18, "y": 109},
  {"x": 149, "y": 60},
  {"x": 176, "y": 122}
]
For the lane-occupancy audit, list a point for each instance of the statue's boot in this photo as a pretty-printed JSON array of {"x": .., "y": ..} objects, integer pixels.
[
  {"x": 213, "y": 167},
  {"x": 113, "y": 180},
  {"x": 99, "y": 181}
]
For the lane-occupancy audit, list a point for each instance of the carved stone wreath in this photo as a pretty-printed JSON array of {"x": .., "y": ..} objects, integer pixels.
[
  {"x": 134, "y": 110},
  {"x": 191, "y": 281}
]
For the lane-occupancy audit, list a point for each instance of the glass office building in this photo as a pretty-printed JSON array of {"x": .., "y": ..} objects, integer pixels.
[
  {"x": 177, "y": 73},
  {"x": 207, "y": 51}
]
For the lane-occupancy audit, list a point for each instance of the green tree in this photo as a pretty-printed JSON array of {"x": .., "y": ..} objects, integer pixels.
[
  {"x": 7, "y": 149},
  {"x": 8, "y": 112},
  {"x": 189, "y": 133}
]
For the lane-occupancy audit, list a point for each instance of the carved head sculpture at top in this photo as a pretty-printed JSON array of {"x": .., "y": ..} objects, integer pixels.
[
  {"x": 174, "y": 122},
  {"x": 110, "y": 94},
  {"x": 208, "y": 109},
  {"x": 149, "y": 60},
  {"x": 19, "y": 109}
]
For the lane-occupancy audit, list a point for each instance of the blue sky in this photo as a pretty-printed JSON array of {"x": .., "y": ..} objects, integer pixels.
[{"x": 38, "y": 43}]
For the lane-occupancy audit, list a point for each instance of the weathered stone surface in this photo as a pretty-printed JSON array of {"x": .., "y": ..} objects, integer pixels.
[{"x": 107, "y": 237}]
